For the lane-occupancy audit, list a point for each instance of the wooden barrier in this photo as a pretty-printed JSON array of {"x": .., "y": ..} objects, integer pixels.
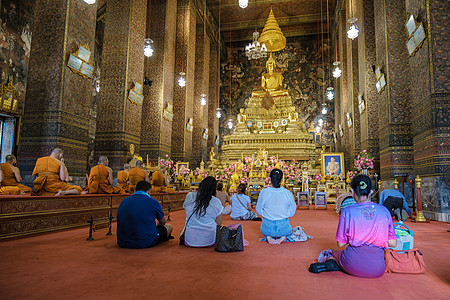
[{"x": 25, "y": 215}]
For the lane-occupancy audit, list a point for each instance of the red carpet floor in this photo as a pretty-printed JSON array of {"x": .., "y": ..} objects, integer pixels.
[{"x": 64, "y": 265}]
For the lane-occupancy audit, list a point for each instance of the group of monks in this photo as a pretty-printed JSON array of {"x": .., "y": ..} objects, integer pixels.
[{"x": 52, "y": 178}]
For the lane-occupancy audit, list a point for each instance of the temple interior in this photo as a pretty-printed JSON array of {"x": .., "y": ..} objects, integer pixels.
[{"x": 322, "y": 89}]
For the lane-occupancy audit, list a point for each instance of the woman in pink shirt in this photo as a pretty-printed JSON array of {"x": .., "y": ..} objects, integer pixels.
[{"x": 366, "y": 229}]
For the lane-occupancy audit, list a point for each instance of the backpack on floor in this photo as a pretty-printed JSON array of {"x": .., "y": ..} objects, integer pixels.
[{"x": 405, "y": 237}]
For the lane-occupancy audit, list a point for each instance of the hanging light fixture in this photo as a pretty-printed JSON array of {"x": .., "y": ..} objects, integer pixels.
[
  {"x": 255, "y": 50},
  {"x": 243, "y": 3},
  {"x": 182, "y": 79},
  {"x": 337, "y": 72},
  {"x": 353, "y": 31},
  {"x": 324, "y": 109},
  {"x": 218, "y": 113},
  {"x": 230, "y": 123},
  {"x": 317, "y": 129},
  {"x": 90, "y": 1},
  {"x": 148, "y": 49},
  {"x": 330, "y": 93},
  {"x": 320, "y": 122},
  {"x": 202, "y": 99}
]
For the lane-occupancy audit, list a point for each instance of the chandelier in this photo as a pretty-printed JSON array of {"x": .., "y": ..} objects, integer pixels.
[
  {"x": 337, "y": 72},
  {"x": 218, "y": 113},
  {"x": 203, "y": 99},
  {"x": 243, "y": 3},
  {"x": 182, "y": 79},
  {"x": 230, "y": 123},
  {"x": 148, "y": 49},
  {"x": 330, "y": 93},
  {"x": 254, "y": 50},
  {"x": 90, "y": 1},
  {"x": 353, "y": 31}
]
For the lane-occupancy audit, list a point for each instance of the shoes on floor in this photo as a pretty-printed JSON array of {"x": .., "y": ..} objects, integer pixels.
[
  {"x": 329, "y": 265},
  {"x": 257, "y": 219}
]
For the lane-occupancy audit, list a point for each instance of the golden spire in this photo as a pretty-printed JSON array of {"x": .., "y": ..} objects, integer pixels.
[{"x": 272, "y": 36}]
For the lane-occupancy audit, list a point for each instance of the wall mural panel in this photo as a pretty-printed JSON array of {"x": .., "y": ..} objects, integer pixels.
[
  {"x": 305, "y": 78},
  {"x": 15, "y": 39}
]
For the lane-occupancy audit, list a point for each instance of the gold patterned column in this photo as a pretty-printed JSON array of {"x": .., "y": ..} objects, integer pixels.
[
  {"x": 183, "y": 96},
  {"x": 119, "y": 119},
  {"x": 201, "y": 86},
  {"x": 57, "y": 100},
  {"x": 156, "y": 126},
  {"x": 213, "y": 99}
]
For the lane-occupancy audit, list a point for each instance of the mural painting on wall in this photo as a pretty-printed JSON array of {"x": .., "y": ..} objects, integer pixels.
[
  {"x": 305, "y": 78},
  {"x": 15, "y": 40}
]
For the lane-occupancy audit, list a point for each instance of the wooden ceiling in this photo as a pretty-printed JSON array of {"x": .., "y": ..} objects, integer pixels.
[{"x": 295, "y": 17}]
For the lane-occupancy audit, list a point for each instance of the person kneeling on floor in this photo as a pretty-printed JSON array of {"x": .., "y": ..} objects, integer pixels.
[
  {"x": 366, "y": 229},
  {"x": 241, "y": 206},
  {"x": 136, "y": 226}
]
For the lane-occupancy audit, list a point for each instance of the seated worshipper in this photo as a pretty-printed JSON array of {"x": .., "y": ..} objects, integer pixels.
[
  {"x": 52, "y": 176},
  {"x": 136, "y": 226},
  {"x": 276, "y": 205},
  {"x": 343, "y": 200},
  {"x": 203, "y": 214},
  {"x": 122, "y": 177},
  {"x": 366, "y": 229},
  {"x": 8, "y": 190},
  {"x": 241, "y": 205},
  {"x": 11, "y": 174},
  {"x": 224, "y": 198},
  {"x": 101, "y": 179},
  {"x": 396, "y": 203},
  {"x": 160, "y": 182},
  {"x": 137, "y": 174}
]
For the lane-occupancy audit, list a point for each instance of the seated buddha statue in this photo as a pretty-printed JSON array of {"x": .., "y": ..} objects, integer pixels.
[{"x": 271, "y": 81}]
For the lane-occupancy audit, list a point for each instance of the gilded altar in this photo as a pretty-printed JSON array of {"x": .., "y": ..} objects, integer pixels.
[{"x": 270, "y": 120}]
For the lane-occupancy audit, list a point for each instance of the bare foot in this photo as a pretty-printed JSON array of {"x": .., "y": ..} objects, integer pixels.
[
  {"x": 271, "y": 240},
  {"x": 58, "y": 193}
]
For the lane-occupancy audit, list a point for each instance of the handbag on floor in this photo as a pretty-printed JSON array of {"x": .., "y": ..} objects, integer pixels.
[
  {"x": 404, "y": 261},
  {"x": 229, "y": 240}
]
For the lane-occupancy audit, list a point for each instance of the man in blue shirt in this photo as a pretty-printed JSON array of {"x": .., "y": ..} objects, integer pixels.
[
  {"x": 395, "y": 202},
  {"x": 136, "y": 226}
]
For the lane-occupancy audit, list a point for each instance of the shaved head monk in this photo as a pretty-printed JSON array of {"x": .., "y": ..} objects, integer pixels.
[
  {"x": 137, "y": 174},
  {"x": 122, "y": 177},
  {"x": 7, "y": 190},
  {"x": 52, "y": 176},
  {"x": 11, "y": 174},
  {"x": 160, "y": 182},
  {"x": 101, "y": 179}
]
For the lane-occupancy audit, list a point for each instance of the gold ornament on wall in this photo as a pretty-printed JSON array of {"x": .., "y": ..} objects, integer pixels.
[{"x": 80, "y": 62}]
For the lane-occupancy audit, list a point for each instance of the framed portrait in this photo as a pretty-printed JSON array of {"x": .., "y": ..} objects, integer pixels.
[
  {"x": 139, "y": 99},
  {"x": 419, "y": 35},
  {"x": 138, "y": 88},
  {"x": 382, "y": 82},
  {"x": 377, "y": 72},
  {"x": 410, "y": 25},
  {"x": 87, "y": 69},
  {"x": 168, "y": 115},
  {"x": 180, "y": 166},
  {"x": 333, "y": 163},
  {"x": 132, "y": 95},
  {"x": 410, "y": 44},
  {"x": 362, "y": 105},
  {"x": 74, "y": 62}
]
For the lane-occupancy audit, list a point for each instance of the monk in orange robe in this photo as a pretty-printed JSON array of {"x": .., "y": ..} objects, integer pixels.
[
  {"x": 122, "y": 177},
  {"x": 8, "y": 190},
  {"x": 101, "y": 179},
  {"x": 52, "y": 176},
  {"x": 160, "y": 182},
  {"x": 11, "y": 174},
  {"x": 137, "y": 174}
]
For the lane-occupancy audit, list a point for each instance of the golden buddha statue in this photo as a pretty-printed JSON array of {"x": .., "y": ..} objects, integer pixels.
[{"x": 271, "y": 81}]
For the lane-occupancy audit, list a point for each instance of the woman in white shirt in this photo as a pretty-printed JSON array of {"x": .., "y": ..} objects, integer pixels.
[
  {"x": 203, "y": 214},
  {"x": 276, "y": 205},
  {"x": 241, "y": 206}
]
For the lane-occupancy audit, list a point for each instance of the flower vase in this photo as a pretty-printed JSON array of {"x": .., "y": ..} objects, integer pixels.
[{"x": 364, "y": 171}]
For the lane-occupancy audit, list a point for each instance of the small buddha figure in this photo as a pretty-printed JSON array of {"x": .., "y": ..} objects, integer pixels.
[
  {"x": 271, "y": 81},
  {"x": 212, "y": 154},
  {"x": 241, "y": 117}
]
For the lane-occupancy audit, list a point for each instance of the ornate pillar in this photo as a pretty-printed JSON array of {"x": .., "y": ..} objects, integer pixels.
[
  {"x": 119, "y": 119},
  {"x": 395, "y": 132},
  {"x": 57, "y": 103},
  {"x": 367, "y": 58},
  {"x": 430, "y": 97},
  {"x": 183, "y": 96},
  {"x": 213, "y": 100},
  {"x": 201, "y": 86},
  {"x": 156, "y": 130}
]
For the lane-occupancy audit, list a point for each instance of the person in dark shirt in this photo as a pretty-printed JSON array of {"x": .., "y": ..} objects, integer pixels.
[{"x": 136, "y": 226}]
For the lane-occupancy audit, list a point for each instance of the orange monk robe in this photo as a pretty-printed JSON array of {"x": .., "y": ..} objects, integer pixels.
[
  {"x": 48, "y": 182},
  {"x": 122, "y": 180},
  {"x": 159, "y": 184},
  {"x": 9, "y": 190},
  {"x": 98, "y": 182},
  {"x": 134, "y": 176},
  {"x": 9, "y": 179}
]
